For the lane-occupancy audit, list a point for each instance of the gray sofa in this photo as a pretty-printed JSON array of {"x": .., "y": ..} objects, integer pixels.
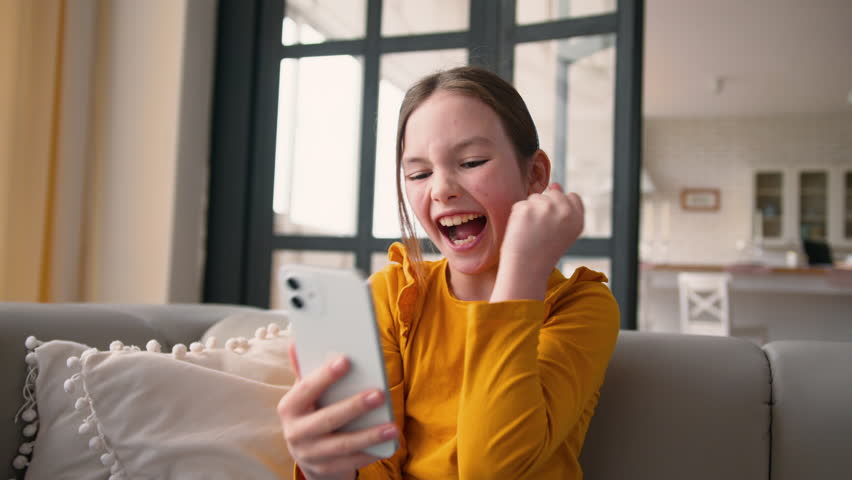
[{"x": 672, "y": 406}]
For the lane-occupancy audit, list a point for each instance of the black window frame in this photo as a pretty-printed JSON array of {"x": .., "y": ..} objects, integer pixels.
[{"x": 240, "y": 236}]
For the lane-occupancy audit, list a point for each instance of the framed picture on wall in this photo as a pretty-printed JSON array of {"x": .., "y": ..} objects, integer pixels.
[{"x": 700, "y": 199}]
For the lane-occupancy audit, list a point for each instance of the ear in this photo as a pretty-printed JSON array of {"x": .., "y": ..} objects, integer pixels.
[{"x": 538, "y": 172}]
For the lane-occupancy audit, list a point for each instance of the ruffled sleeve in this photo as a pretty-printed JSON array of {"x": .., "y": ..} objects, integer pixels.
[
  {"x": 402, "y": 278},
  {"x": 396, "y": 302}
]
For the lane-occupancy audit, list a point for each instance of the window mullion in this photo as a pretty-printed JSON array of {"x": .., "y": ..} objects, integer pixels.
[
  {"x": 480, "y": 26},
  {"x": 627, "y": 150},
  {"x": 369, "y": 113},
  {"x": 259, "y": 251},
  {"x": 505, "y": 39}
]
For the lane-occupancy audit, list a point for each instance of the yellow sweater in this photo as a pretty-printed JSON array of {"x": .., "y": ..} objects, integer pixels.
[{"x": 490, "y": 391}]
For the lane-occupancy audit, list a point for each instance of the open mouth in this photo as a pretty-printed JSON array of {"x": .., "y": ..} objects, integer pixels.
[{"x": 462, "y": 229}]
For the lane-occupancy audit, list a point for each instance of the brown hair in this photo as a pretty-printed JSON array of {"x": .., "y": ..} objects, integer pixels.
[{"x": 482, "y": 85}]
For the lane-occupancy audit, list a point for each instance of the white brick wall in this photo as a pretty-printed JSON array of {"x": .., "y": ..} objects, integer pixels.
[{"x": 719, "y": 153}]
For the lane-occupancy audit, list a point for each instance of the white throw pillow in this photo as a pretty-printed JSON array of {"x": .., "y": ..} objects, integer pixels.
[
  {"x": 244, "y": 324},
  {"x": 198, "y": 412}
]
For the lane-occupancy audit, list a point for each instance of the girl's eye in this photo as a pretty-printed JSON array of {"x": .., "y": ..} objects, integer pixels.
[
  {"x": 473, "y": 163},
  {"x": 418, "y": 176}
]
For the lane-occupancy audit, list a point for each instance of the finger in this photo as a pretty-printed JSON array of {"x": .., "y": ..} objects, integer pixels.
[
  {"x": 554, "y": 190},
  {"x": 294, "y": 361},
  {"x": 551, "y": 197},
  {"x": 348, "y": 443},
  {"x": 304, "y": 394},
  {"x": 329, "y": 419},
  {"x": 559, "y": 198},
  {"x": 576, "y": 202}
]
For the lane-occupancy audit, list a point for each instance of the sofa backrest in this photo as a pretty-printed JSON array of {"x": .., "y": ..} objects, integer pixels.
[
  {"x": 681, "y": 406},
  {"x": 672, "y": 406},
  {"x": 811, "y": 409},
  {"x": 95, "y": 325}
]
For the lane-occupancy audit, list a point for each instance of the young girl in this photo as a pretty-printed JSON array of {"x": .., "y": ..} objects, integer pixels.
[{"x": 494, "y": 359}]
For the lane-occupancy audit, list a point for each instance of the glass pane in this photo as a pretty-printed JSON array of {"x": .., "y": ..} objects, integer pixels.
[
  {"x": 536, "y": 11},
  {"x": 316, "y": 157},
  {"x": 379, "y": 260},
  {"x": 397, "y": 72},
  {"x": 813, "y": 201},
  {"x": 569, "y": 87},
  {"x": 598, "y": 264},
  {"x": 304, "y": 257},
  {"x": 406, "y": 17},
  {"x": 768, "y": 187},
  {"x": 847, "y": 210},
  {"x": 315, "y": 21}
]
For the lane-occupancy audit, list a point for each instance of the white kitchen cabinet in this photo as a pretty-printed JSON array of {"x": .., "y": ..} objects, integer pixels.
[
  {"x": 812, "y": 189},
  {"x": 807, "y": 202},
  {"x": 840, "y": 211},
  {"x": 772, "y": 197}
]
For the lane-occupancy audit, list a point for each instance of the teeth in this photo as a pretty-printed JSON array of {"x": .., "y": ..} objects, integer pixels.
[
  {"x": 465, "y": 241},
  {"x": 451, "y": 221}
]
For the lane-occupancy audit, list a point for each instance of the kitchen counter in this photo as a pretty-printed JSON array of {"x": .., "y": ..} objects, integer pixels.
[
  {"x": 759, "y": 278},
  {"x": 767, "y": 303}
]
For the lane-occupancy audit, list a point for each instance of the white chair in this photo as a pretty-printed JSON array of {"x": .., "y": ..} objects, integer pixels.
[{"x": 705, "y": 307}]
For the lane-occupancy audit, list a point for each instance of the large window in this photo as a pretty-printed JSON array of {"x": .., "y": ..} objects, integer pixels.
[{"x": 310, "y": 178}]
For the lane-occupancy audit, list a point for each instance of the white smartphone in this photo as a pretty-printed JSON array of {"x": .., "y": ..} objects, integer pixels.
[{"x": 331, "y": 313}]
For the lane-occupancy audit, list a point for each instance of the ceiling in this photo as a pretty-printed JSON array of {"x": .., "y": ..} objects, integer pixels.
[
  {"x": 773, "y": 56},
  {"x": 702, "y": 57}
]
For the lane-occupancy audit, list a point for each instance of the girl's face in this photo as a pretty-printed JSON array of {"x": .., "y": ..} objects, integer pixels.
[{"x": 461, "y": 178}]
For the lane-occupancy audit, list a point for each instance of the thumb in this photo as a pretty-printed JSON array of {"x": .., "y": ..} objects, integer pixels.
[{"x": 555, "y": 186}]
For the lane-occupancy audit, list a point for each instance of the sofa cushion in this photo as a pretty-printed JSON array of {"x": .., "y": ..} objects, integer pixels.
[
  {"x": 202, "y": 412},
  {"x": 92, "y": 324},
  {"x": 681, "y": 406},
  {"x": 811, "y": 409},
  {"x": 244, "y": 324}
]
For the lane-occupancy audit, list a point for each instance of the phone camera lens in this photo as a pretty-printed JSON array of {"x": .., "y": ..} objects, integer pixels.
[
  {"x": 293, "y": 283},
  {"x": 297, "y": 303}
]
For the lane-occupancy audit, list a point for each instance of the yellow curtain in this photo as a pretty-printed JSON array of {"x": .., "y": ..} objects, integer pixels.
[
  {"x": 81, "y": 154},
  {"x": 31, "y": 35},
  {"x": 48, "y": 51}
]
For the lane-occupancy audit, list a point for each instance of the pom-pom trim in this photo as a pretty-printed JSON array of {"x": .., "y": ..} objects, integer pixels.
[
  {"x": 28, "y": 413},
  {"x": 90, "y": 427},
  {"x": 75, "y": 385}
]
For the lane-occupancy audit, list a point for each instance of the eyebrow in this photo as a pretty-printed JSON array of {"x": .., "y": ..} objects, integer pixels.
[
  {"x": 476, "y": 140},
  {"x": 467, "y": 142}
]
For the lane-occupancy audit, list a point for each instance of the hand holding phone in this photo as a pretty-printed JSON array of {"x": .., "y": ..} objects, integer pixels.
[
  {"x": 310, "y": 432},
  {"x": 338, "y": 416}
]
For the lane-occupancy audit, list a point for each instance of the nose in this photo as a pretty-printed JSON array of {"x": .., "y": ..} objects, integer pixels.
[{"x": 444, "y": 187}]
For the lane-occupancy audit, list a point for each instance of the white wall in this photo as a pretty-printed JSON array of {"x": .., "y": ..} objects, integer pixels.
[
  {"x": 719, "y": 153},
  {"x": 150, "y": 145},
  {"x": 189, "y": 221}
]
